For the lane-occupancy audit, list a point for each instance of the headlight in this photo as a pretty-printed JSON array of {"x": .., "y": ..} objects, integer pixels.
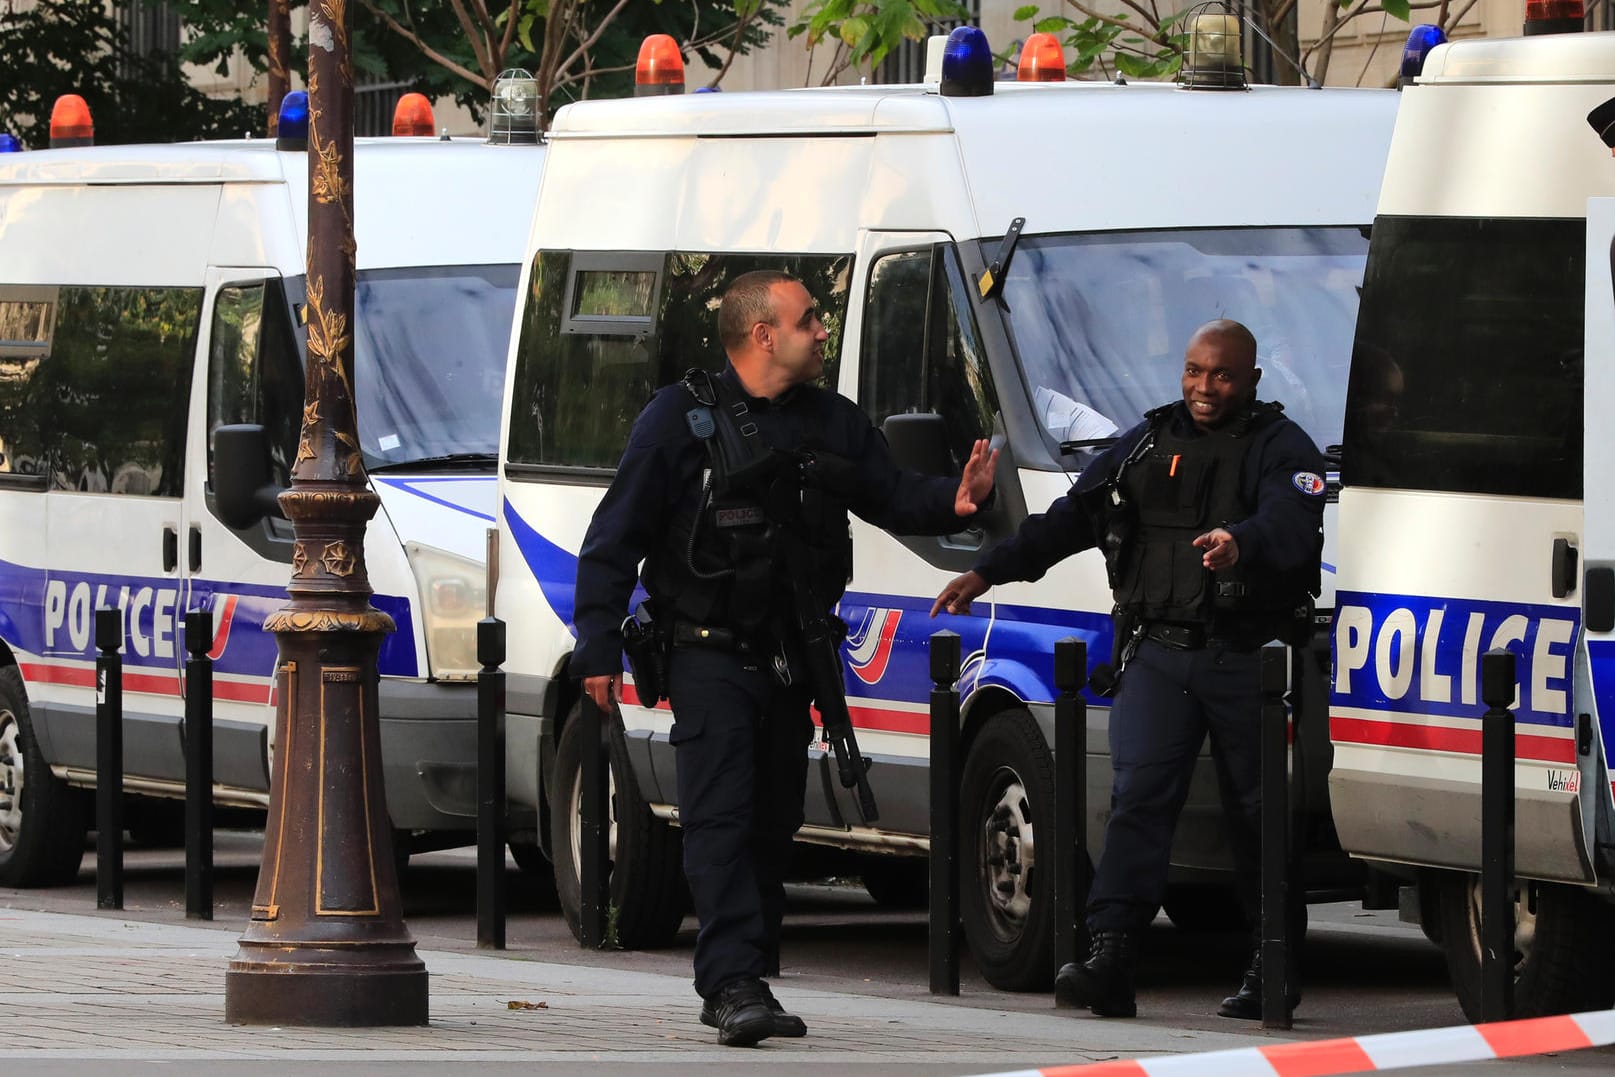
[{"x": 453, "y": 599}]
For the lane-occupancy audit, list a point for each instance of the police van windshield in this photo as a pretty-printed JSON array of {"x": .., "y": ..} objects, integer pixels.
[
  {"x": 429, "y": 362},
  {"x": 1100, "y": 322},
  {"x": 1467, "y": 373}
]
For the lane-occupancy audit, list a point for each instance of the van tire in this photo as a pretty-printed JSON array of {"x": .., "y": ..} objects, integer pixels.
[
  {"x": 43, "y": 821},
  {"x": 1006, "y": 902},
  {"x": 648, "y": 894},
  {"x": 1564, "y": 955}
]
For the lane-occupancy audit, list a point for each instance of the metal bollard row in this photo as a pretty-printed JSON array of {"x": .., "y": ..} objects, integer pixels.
[
  {"x": 1070, "y": 797},
  {"x": 943, "y": 913},
  {"x": 197, "y": 733},
  {"x": 1277, "y": 863},
  {"x": 1497, "y": 836},
  {"x": 491, "y": 893}
]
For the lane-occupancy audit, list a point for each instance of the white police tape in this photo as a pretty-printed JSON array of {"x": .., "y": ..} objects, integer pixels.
[{"x": 1363, "y": 1054}]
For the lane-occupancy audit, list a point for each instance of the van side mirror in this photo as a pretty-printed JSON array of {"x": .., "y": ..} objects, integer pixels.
[
  {"x": 244, "y": 491},
  {"x": 919, "y": 442}
]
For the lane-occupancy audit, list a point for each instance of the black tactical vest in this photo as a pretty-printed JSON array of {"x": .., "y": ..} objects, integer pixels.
[
  {"x": 733, "y": 561},
  {"x": 1179, "y": 488}
]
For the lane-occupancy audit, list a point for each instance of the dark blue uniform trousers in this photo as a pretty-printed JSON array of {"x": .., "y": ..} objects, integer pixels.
[
  {"x": 740, "y": 746},
  {"x": 1166, "y": 704}
]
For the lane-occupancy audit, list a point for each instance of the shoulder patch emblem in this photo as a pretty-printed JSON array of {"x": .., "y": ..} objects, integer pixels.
[{"x": 1308, "y": 483}]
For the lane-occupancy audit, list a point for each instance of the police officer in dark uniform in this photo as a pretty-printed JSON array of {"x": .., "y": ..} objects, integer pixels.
[
  {"x": 1210, "y": 515},
  {"x": 720, "y": 477}
]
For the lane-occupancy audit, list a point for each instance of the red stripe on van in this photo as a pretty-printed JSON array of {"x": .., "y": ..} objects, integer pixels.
[{"x": 1527, "y": 746}]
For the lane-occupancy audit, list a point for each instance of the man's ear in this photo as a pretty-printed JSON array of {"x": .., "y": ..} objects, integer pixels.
[
  {"x": 1257, "y": 379},
  {"x": 762, "y": 335}
]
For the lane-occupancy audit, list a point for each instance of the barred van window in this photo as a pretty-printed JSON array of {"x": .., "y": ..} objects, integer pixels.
[{"x": 579, "y": 386}]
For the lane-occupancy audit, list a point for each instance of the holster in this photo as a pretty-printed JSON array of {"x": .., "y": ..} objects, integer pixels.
[{"x": 646, "y": 648}]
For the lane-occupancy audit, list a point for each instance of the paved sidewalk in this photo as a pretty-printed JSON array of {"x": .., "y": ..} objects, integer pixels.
[{"x": 87, "y": 987}]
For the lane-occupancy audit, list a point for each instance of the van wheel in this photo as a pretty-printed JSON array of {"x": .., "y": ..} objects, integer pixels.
[
  {"x": 1564, "y": 947},
  {"x": 1006, "y": 902},
  {"x": 42, "y": 819},
  {"x": 648, "y": 895}
]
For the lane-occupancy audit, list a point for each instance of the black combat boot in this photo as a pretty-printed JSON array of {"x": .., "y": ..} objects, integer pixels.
[
  {"x": 786, "y": 1025},
  {"x": 739, "y": 1011},
  {"x": 1246, "y": 1003},
  {"x": 1103, "y": 983}
]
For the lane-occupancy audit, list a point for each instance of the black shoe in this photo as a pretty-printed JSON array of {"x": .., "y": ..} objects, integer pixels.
[
  {"x": 1103, "y": 983},
  {"x": 786, "y": 1025},
  {"x": 740, "y": 1013},
  {"x": 1246, "y": 1003}
]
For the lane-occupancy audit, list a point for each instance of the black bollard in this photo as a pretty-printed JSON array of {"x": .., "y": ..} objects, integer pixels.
[
  {"x": 1275, "y": 837},
  {"x": 1070, "y": 796},
  {"x": 1497, "y": 837},
  {"x": 198, "y": 739},
  {"x": 491, "y": 902},
  {"x": 594, "y": 822},
  {"x": 944, "y": 906},
  {"x": 109, "y": 759}
]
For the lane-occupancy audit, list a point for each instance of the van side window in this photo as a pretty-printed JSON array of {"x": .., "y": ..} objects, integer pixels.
[
  {"x": 27, "y": 316},
  {"x": 588, "y": 360},
  {"x": 921, "y": 349},
  {"x": 97, "y": 408},
  {"x": 254, "y": 375}
]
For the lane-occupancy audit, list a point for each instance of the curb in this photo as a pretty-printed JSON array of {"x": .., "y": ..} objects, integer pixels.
[{"x": 1364, "y": 1054}]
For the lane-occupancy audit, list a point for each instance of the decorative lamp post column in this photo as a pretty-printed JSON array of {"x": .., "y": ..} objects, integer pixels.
[{"x": 327, "y": 944}]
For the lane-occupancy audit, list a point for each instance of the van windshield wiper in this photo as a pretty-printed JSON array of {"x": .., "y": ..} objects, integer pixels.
[
  {"x": 1086, "y": 444},
  {"x": 479, "y": 461}
]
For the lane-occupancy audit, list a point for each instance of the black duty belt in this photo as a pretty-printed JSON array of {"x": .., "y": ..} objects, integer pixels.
[
  {"x": 709, "y": 637},
  {"x": 1181, "y": 637}
]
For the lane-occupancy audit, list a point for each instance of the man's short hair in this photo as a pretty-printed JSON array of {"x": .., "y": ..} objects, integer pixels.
[{"x": 747, "y": 301}]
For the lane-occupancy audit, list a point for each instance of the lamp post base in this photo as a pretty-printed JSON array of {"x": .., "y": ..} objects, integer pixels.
[{"x": 305, "y": 986}]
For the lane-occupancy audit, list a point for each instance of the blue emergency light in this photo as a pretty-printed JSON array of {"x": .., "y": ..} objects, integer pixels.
[
  {"x": 291, "y": 130},
  {"x": 10, "y": 143},
  {"x": 967, "y": 64},
  {"x": 1421, "y": 39}
]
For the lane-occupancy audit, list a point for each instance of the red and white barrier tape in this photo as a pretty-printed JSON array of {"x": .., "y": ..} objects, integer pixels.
[{"x": 1364, "y": 1054}]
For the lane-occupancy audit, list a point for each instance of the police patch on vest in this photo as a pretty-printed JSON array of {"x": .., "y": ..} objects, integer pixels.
[
  {"x": 745, "y": 516},
  {"x": 1307, "y": 482}
]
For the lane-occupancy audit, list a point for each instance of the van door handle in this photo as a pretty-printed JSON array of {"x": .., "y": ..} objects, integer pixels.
[
  {"x": 1564, "y": 567},
  {"x": 195, "y": 551},
  {"x": 170, "y": 549}
]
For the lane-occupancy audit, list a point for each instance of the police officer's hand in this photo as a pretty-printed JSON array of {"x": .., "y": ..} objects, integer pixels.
[
  {"x": 1222, "y": 549},
  {"x": 977, "y": 481},
  {"x": 956, "y": 596},
  {"x": 603, "y": 690}
]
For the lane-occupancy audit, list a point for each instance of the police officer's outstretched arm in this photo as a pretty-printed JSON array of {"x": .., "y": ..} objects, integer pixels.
[
  {"x": 626, "y": 525},
  {"x": 1043, "y": 540}
]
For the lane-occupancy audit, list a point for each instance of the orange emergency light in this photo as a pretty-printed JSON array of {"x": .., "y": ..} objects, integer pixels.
[
  {"x": 70, "y": 123},
  {"x": 1042, "y": 59},
  {"x": 412, "y": 116},
  {"x": 660, "y": 68}
]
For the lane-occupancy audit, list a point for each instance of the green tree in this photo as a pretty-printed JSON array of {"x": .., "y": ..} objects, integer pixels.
[
  {"x": 75, "y": 46},
  {"x": 860, "y": 33},
  {"x": 575, "y": 48},
  {"x": 1142, "y": 41}
]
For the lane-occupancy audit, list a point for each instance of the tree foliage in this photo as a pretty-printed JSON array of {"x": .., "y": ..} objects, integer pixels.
[
  {"x": 75, "y": 46},
  {"x": 456, "y": 48},
  {"x": 1141, "y": 40},
  {"x": 860, "y": 33}
]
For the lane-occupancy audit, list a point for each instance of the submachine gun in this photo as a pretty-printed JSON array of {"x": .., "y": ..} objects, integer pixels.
[{"x": 821, "y": 637}]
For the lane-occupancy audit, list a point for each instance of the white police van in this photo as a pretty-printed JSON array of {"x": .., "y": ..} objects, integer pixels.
[
  {"x": 1148, "y": 209},
  {"x": 150, "y": 295},
  {"x": 1467, "y": 465}
]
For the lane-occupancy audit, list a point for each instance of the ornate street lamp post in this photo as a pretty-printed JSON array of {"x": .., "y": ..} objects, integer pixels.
[{"x": 327, "y": 944}]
